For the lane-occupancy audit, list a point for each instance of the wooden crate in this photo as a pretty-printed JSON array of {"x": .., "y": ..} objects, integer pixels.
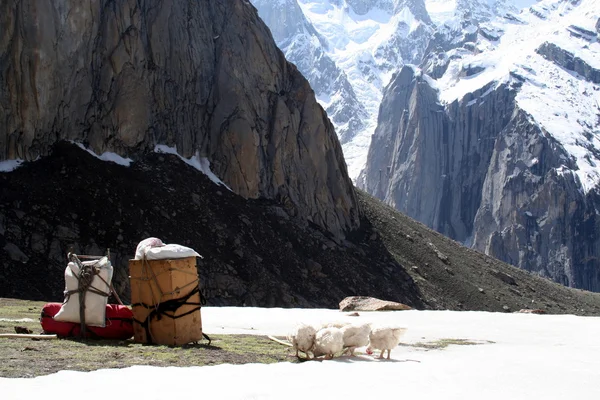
[{"x": 155, "y": 286}]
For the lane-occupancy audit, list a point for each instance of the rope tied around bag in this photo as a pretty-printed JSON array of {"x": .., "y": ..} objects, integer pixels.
[{"x": 85, "y": 277}]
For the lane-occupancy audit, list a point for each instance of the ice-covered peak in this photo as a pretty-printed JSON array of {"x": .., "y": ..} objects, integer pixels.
[
  {"x": 416, "y": 7},
  {"x": 362, "y": 7},
  {"x": 286, "y": 20},
  {"x": 445, "y": 11},
  {"x": 553, "y": 55},
  {"x": 369, "y": 40}
]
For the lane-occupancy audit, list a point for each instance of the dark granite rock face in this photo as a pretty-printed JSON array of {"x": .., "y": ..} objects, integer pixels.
[
  {"x": 408, "y": 104},
  {"x": 569, "y": 61},
  {"x": 533, "y": 213},
  {"x": 479, "y": 171},
  {"x": 203, "y": 76}
]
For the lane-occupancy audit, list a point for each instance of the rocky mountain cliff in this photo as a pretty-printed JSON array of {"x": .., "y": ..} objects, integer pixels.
[
  {"x": 495, "y": 140},
  {"x": 204, "y": 77},
  {"x": 348, "y": 50},
  {"x": 308, "y": 50}
]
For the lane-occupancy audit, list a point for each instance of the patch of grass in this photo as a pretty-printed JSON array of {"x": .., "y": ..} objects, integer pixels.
[
  {"x": 30, "y": 358},
  {"x": 12, "y": 310},
  {"x": 268, "y": 350},
  {"x": 17, "y": 309}
]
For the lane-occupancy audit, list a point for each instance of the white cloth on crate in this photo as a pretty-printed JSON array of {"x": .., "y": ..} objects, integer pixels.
[
  {"x": 145, "y": 244},
  {"x": 170, "y": 251},
  {"x": 154, "y": 249}
]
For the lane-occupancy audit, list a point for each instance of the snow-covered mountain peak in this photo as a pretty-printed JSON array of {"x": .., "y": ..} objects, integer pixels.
[
  {"x": 443, "y": 11},
  {"x": 349, "y": 49},
  {"x": 553, "y": 54},
  {"x": 347, "y": 29},
  {"x": 493, "y": 140},
  {"x": 362, "y": 7},
  {"x": 286, "y": 20},
  {"x": 369, "y": 40}
]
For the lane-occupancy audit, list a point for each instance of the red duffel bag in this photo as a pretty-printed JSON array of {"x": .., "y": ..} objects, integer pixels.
[{"x": 119, "y": 323}]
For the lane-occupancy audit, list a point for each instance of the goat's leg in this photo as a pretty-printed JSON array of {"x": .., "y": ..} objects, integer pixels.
[
  {"x": 389, "y": 352},
  {"x": 381, "y": 355}
]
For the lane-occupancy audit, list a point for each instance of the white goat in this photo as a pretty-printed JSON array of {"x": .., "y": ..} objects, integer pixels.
[
  {"x": 356, "y": 336},
  {"x": 328, "y": 342},
  {"x": 384, "y": 338},
  {"x": 302, "y": 338}
]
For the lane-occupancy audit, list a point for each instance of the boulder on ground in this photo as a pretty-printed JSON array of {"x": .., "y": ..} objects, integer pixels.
[{"x": 364, "y": 303}]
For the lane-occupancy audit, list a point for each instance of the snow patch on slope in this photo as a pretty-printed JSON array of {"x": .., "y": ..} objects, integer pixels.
[
  {"x": 10, "y": 165},
  {"x": 200, "y": 163},
  {"x": 107, "y": 156}
]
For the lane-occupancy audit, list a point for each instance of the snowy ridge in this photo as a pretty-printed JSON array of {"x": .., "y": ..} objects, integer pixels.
[
  {"x": 362, "y": 43},
  {"x": 485, "y": 41},
  {"x": 308, "y": 49},
  {"x": 107, "y": 156},
  {"x": 451, "y": 11},
  {"x": 10, "y": 165},
  {"x": 561, "y": 102},
  {"x": 200, "y": 163}
]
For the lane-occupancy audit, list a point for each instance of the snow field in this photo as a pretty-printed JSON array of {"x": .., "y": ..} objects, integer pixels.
[{"x": 533, "y": 356}]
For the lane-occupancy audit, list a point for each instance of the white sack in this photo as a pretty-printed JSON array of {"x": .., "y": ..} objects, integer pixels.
[
  {"x": 170, "y": 251},
  {"x": 146, "y": 244},
  {"x": 95, "y": 304}
]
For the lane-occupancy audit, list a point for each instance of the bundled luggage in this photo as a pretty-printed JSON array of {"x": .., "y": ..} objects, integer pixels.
[
  {"x": 165, "y": 294},
  {"x": 85, "y": 312}
]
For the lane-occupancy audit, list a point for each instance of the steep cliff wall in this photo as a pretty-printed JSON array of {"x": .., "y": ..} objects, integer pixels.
[
  {"x": 481, "y": 171},
  {"x": 495, "y": 142},
  {"x": 533, "y": 212},
  {"x": 430, "y": 161},
  {"x": 409, "y": 109},
  {"x": 203, "y": 76}
]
